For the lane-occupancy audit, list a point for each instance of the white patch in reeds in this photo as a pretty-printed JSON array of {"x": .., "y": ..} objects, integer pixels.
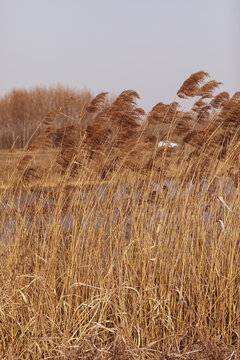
[
  {"x": 132, "y": 288},
  {"x": 223, "y": 202},
  {"x": 158, "y": 228},
  {"x": 24, "y": 297},
  {"x": 169, "y": 144},
  {"x": 222, "y": 224}
]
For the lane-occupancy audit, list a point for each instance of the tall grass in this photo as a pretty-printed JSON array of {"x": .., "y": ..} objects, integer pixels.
[{"x": 121, "y": 249}]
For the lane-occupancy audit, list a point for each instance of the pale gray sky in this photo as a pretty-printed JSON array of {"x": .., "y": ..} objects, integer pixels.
[{"x": 150, "y": 46}]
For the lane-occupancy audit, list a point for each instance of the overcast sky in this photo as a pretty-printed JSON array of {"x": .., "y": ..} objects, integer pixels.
[{"x": 150, "y": 46}]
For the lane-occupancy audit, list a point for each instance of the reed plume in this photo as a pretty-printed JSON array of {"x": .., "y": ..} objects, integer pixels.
[
  {"x": 97, "y": 103},
  {"x": 220, "y": 99},
  {"x": 162, "y": 113},
  {"x": 207, "y": 89},
  {"x": 190, "y": 87}
]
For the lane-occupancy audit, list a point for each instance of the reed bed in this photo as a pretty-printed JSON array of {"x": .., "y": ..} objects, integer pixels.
[{"x": 118, "y": 248}]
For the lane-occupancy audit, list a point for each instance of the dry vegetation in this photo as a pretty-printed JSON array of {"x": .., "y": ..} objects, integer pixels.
[
  {"x": 21, "y": 111},
  {"x": 115, "y": 248}
]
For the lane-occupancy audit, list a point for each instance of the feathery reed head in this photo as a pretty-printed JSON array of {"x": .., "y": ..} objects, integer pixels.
[{"x": 190, "y": 87}]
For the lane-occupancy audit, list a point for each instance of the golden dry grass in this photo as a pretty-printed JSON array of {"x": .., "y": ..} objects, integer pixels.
[{"x": 115, "y": 248}]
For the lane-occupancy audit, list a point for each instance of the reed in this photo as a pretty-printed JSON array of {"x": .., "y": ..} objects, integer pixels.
[{"x": 118, "y": 248}]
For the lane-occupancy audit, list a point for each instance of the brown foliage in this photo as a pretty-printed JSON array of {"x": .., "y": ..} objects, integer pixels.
[{"x": 22, "y": 111}]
